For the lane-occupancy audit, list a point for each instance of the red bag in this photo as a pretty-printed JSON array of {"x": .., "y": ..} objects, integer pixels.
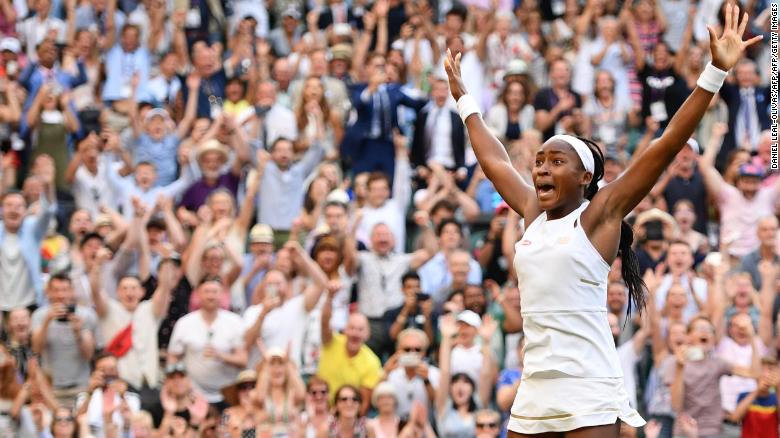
[{"x": 122, "y": 342}]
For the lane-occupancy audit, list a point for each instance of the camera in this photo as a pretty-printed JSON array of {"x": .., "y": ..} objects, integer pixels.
[
  {"x": 71, "y": 309},
  {"x": 408, "y": 360}
]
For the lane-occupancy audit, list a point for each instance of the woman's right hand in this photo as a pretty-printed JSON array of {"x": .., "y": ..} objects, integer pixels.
[{"x": 452, "y": 67}]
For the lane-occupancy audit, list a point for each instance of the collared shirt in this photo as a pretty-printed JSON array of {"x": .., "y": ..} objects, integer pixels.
[
  {"x": 393, "y": 212},
  {"x": 379, "y": 282},
  {"x": 120, "y": 68},
  {"x": 438, "y": 130},
  {"x": 436, "y": 279},
  {"x": 282, "y": 191}
]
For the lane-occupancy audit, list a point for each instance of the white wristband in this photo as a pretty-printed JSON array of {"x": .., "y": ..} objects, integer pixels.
[
  {"x": 711, "y": 79},
  {"x": 467, "y": 106}
]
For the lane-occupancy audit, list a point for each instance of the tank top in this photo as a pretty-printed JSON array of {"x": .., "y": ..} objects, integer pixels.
[{"x": 563, "y": 280}]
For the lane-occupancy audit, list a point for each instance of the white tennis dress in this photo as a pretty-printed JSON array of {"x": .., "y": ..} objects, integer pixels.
[{"x": 571, "y": 374}]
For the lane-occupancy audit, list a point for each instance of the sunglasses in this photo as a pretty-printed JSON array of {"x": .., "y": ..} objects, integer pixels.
[
  {"x": 487, "y": 425},
  {"x": 412, "y": 350},
  {"x": 246, "y": 386},
  {"x": 63, "y": 419},
  {"x": 318, "y": 393},
  {"x": 352, "y": 399}
]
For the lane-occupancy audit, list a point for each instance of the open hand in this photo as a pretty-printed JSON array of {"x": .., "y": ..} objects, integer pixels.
[{"x": 728, "y": 49}]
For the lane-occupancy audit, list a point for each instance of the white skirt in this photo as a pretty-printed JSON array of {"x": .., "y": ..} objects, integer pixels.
[{"x": 562, "y": 404}]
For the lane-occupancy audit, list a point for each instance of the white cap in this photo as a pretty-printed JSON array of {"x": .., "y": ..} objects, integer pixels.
[
  {"x": 694, "y": 145},
  {"x": 470, "y": 318},
  {"x": 10, "y": 44}
]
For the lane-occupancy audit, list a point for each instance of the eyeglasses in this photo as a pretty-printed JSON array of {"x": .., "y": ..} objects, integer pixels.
[
  {"x": 63, "y": 419},
  {"x": 412, "y": 350},
  {"x": 345, "y": 399},
  {"x": 318, "y": 393},
  {"x": 487, "y": 425}
]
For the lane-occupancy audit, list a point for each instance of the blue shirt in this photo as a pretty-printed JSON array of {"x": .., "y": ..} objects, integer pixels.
[
  {"x": 161, "y": 153},
  {"x": 435, "y": 277},
  {"x": 120, "y": 67},
  {"x": 31, "y": 234}
]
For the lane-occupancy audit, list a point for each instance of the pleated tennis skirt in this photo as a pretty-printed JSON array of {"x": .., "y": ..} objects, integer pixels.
[{"x": 562, "y": 404}]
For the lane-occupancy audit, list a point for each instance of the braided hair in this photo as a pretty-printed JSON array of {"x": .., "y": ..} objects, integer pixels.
[{"x": 630, "y": 264}]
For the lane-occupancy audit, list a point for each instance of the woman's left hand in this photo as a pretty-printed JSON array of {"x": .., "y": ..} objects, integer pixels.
[{"x": 728, "y": 49}]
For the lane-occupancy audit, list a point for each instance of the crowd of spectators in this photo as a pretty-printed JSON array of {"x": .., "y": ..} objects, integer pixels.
[{"x": 239, "y": 218}]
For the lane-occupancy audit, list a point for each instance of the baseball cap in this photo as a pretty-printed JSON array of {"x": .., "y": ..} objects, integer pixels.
[
  {"x": 261, "y": 233},
  {"x": 177, "y": 367},
  {"x": 694, "y": 145},
  {"x": 753, "y": 170},
  {"x": 274, "y": 352},
  {"x": 470, "y": 318},
  {"x": 516, "y": 67},
  {"x": 293, "y": 12},
  {"x": 156, "y": 112},
  {"x": 10, "y": 44}
]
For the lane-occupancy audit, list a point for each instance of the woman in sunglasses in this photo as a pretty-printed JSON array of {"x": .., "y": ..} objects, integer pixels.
[
  {"x": 346, "y": 421},
  {"x": 317, "y": 412},
  {"x": 64, "y": 424}
]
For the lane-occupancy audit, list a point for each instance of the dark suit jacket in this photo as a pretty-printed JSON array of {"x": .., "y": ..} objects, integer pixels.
[
  {"x": 421, "y": 147},
  {"x": 360, "y": 129},
  {"x": 730, "y": 95},
  {"x": 326, "y": 18}
]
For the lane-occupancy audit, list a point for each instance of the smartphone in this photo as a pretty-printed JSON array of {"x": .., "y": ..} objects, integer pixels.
[
  {"x": 70, "y": 310},
  {"x": 694, "y": 354},
  {"x": 272, "y": 291},
  {"x": 408, "y": 360},
  {"x": 422, "y": 296}
]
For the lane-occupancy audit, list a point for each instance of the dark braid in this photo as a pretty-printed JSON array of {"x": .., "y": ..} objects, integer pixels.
[{"x": 630, "y": 264}]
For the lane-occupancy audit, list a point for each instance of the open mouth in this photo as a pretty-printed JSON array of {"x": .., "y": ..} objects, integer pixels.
[{"x": 545, "y": 189}]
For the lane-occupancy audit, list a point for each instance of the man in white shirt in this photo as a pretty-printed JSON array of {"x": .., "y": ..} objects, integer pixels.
[
  {"x": 436, "y": 276},
  {"x": 209, "y": 342},
  {"x": 412, "y": 377},
  {"x": 381, "y": 208},
  {"x": 40, "y": 26},
  {"x": 279, "y": 320},
  {"x": 130, "y": 325},
  {"x": 88, "y": 174},
  {"x": 679, "y": 259}
]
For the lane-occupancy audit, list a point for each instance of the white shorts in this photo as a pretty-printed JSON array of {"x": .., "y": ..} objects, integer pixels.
[{"x": 561, "y": 404}]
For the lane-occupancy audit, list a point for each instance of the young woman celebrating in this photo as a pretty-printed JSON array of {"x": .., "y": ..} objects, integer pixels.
[{"x": 572, "y": 380}]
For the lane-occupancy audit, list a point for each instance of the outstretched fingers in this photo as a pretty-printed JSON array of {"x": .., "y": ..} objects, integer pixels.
[
  {"x": 752, "y": 41},
  {"x": 727, "y": 18},
  {"x": 743, "y": 25}
]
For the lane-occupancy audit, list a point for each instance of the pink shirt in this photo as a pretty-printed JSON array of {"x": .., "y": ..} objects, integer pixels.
[
  {"x": 741, "y": 356},
  {"x": 740, "y": 216}
]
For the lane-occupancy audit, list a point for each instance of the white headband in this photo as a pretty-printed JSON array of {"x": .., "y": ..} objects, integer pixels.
[{"x": 583, "y": 151}]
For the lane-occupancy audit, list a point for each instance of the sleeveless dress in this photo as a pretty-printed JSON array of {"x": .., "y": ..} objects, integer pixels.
[{"x": 572, "y": 377}]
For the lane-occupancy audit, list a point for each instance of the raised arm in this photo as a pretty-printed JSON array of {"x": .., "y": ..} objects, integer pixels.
[
  {"x": 491, "y": 154},
  {"x": 617, "y": 200},
  {"x": 191, "y": 108},
  {"x": 713, "y": 180},
  {"x": 448, "y": 330},
  {"x": 768, "y": 272}
]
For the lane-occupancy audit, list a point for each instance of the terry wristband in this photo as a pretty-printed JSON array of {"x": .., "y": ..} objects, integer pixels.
[
  {"x": 711, "y": 79},
  {"x": 467, "y": 106}
]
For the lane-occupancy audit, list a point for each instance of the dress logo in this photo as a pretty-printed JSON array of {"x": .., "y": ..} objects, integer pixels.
[
  {"x": 525, "y": 242},
  {"x": 563, "y": 240}
]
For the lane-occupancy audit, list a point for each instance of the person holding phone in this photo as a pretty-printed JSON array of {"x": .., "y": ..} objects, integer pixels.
[
  {"x": 695, "y": 378},
  {"x": 417, "y": 311},
  {"x": 59, "y": 327},
  {"x": 410, "y": 374}
]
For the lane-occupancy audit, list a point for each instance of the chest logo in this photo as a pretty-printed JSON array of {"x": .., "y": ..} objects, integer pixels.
[
  {"x": 563, "y": 240},
  {"x": 525, "y": 242}
]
